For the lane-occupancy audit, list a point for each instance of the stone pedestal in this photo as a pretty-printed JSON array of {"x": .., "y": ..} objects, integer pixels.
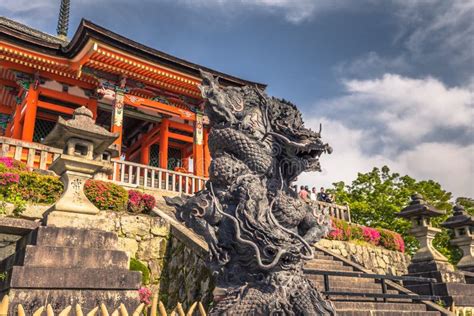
[
  {"x": 62, "y": 266},
  {"x": 74, "y": 172},
  {"x": 426, "y": 252}
]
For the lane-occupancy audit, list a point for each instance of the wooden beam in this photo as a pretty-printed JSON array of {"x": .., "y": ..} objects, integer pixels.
[
  {"x": 160, "y": 107},
  {"x": 64, "y": 96},
  {"x": 8, "y": 83},
  {"x": 49, "y": 75},
  {"x": 5, "y": 109},
  {"x": 184, "y": 138},
  {"x": 181, "y": 126},
  {"x": 55, "y": 107}
]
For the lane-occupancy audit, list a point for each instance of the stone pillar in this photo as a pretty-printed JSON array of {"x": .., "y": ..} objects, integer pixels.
[{"x": 463, "y": 226}]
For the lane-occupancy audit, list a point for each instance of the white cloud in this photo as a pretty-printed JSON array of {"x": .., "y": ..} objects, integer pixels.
[
  {"x": 401, "y": 122},
  {"x": 402, "y": 111},
  {"x": 444, "y": 25}
]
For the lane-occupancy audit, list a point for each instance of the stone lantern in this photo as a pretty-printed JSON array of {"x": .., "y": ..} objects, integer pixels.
[
  {"x": 86, "y": 153},
  {"x": 427, "y": 261},
  {"x": 420, "y": 214},
  {"x": 463, "y": 226}
]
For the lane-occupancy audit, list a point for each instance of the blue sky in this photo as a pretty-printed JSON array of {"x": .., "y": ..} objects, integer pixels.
[{"x": 392, "y": 80}]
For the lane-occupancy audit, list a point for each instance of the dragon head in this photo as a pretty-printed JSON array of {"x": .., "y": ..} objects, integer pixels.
[{"x": 299, "y": 148}]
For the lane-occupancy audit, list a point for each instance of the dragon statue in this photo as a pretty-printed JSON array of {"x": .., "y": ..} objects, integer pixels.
[{"x": 258, "y": 231}]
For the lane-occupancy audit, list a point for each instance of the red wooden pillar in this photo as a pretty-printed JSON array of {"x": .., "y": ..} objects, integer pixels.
[
  {"x": 17, "y": 128},
  {"x": 92, "y": 105},
  {"x": 207, "y": 154},
  {"x": 30, "y": 114},
  {"x": 117, "y": 118},
  {"x": 145, "y": 154},
  {"x": 198, "y": 147},
  {"x": 164, "y": 136}
]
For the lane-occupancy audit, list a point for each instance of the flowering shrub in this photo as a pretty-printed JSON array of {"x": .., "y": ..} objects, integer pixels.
[
  {"x": 144, "y": 294},
  {"x": 10, "y": 163},
  {"x": 342, "y": 230},
  {"x": 106, "y": 195},
  {"x": 139, "y": 202},
  {"x": 391, "y": 240},
  {"x": 7, "y": 178},
  {"x": 18, "y": 185},
  {"x": 371, "y": 235}
]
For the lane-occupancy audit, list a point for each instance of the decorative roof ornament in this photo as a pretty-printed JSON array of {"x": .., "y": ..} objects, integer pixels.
[{"x": 63, "y": 19}]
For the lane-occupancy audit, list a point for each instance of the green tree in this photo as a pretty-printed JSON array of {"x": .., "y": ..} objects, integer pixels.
[{"x": 377, "y": 196}]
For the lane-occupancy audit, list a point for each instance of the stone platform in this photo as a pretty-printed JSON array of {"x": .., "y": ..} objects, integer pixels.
[{"x": 63, "y": 266}]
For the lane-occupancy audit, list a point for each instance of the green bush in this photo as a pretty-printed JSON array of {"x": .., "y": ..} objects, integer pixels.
[
  {"x": 106, "y": 195},
  {"x": 38, "y": 188},
  {"x": 18, "y": 185},
  {"x": 137, "y": 265}
]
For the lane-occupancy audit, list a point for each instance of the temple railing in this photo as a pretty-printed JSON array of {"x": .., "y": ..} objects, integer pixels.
[
  {"x": 130, "y": 173},
  {"x": 335, "y": 210},
  {"x": 33, "y": 154},
  {"x": 125, "y": 173}
]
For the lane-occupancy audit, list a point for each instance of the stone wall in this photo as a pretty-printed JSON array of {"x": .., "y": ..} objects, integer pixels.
[
  {"x": 376, "y": 259},
  {"x": 185, "y": 276}
]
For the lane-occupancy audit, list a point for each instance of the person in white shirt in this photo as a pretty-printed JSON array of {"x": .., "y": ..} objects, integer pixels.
[{"x": 313, "y": 196}]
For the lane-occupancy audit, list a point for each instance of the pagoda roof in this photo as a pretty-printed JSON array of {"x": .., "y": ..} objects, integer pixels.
[
  {"x": 460, "y": 218},
  {"x": 25, "y": 36},
  {"x": 419, "y": 207}
]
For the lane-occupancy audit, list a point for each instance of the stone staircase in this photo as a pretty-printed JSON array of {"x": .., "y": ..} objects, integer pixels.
[
  {"x": 360, "y": 305},
  {"x": 65, "y": 266}
]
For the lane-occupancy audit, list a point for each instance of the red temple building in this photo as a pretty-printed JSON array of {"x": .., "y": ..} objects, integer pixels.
[{"x": 150, "y": 98}]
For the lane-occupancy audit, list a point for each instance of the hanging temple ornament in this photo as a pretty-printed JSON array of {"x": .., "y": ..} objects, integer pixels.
[{"x": 258, "y": 231}]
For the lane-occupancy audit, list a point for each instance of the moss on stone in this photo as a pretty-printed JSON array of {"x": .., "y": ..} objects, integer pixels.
[{"x": 137, "y": 265}]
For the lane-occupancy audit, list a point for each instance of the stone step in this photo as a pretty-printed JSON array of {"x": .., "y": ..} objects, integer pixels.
[
  {"x": 323, "y": 257},
  {"x": 73, "y": 278},
  {"x": 73, "y": 237},
  {"x": 386, "y": 313},
  {"x": 352, "y": 281},
  {"x": 324, "y": 262},
  {"x": 359, "y": 290},
  {"x": 66, "y": 257},
  {"x": 464, "y": 300},
  {"x": 352, "y": 286},
  {"x": 378, "y": 306},
  {"x": 325, "y": 267},
  {"x": 328, "y": 267}
]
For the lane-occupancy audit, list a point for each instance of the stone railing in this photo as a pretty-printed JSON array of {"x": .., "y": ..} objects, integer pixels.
[
  {"x": 335, "y": 210},
  {"x": 155, "y": 308},
  {"x": 33, "y": 154}
]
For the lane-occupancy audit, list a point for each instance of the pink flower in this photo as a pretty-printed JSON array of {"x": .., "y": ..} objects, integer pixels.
[
  {"x": 145, "y": 295},
  {"x": 371, "y": 235},
  {"x": 8, "y": 177},
  {"x": 336, "y": 234},
  {"x": 8, "y": 162}
]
